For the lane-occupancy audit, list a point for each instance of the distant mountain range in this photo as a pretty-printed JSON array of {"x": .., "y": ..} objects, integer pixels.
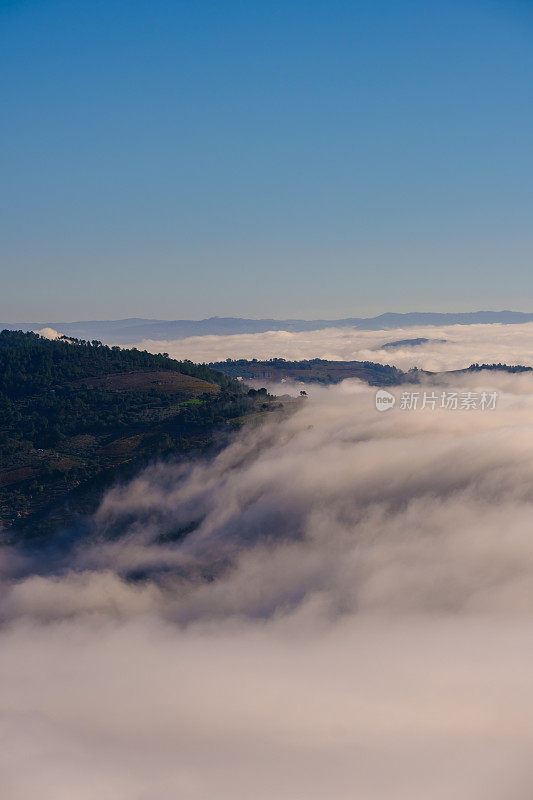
[{"x": 130, "y": 331}]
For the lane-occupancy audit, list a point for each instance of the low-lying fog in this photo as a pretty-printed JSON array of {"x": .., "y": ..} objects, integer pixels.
[
  {"x": 463, "y": 345},
  {"x": 350, "y": 616}
]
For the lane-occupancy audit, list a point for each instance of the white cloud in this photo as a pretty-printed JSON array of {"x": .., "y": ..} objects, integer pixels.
[
  {"x": 48, "y": 333},
  {"x": 464, "y": 345},
  {"x": 350, "y": 618}
]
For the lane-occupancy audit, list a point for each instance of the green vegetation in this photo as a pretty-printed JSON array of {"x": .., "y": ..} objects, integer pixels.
[
  {"x": 73, "y": 413},
  {"x": 498, "y": 368},
  {"x": 315, "y": 370}
]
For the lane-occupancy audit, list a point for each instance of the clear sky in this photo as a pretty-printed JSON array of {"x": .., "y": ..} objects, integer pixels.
[{"x": 294, "y": 158}]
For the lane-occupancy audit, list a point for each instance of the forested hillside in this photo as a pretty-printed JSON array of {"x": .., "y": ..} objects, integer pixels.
[
  {"x": 314, "y": 370},
  {"x": 71, "y": 411}
]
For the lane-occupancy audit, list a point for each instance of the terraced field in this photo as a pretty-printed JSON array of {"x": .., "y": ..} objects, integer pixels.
[
  {"x": 144, "y": 381},
  {"x": 74, "y": 413}
]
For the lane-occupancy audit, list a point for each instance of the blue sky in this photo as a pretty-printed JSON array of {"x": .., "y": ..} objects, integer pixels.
[{"x": 286, "y": 159}]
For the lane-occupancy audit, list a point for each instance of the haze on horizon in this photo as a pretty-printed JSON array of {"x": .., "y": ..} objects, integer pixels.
[{"x": 309, "y": 160}]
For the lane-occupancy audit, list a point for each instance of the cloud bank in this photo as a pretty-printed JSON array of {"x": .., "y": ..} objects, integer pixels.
[
  {"x": 465, "y": 344},
  {"x": 349, "y": 615}
]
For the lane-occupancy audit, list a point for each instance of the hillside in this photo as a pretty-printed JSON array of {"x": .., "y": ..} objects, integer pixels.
[
  {"x": 74, "y": 415},
  {"x": 315, "y": 370},
  {"x": 318, "y": 370},
  {"x": 74, "y": 412}
]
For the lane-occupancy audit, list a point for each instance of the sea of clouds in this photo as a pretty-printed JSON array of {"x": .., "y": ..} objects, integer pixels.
[
  {"x": 349, "y": 616},
  {"x": 463, "y": 345}
]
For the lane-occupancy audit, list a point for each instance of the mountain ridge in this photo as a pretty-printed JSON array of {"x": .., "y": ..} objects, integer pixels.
[{"x": 135, "y": 329}]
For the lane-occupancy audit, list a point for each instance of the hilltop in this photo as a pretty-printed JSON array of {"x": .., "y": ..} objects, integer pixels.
[{"x": 314, "y": 370}]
